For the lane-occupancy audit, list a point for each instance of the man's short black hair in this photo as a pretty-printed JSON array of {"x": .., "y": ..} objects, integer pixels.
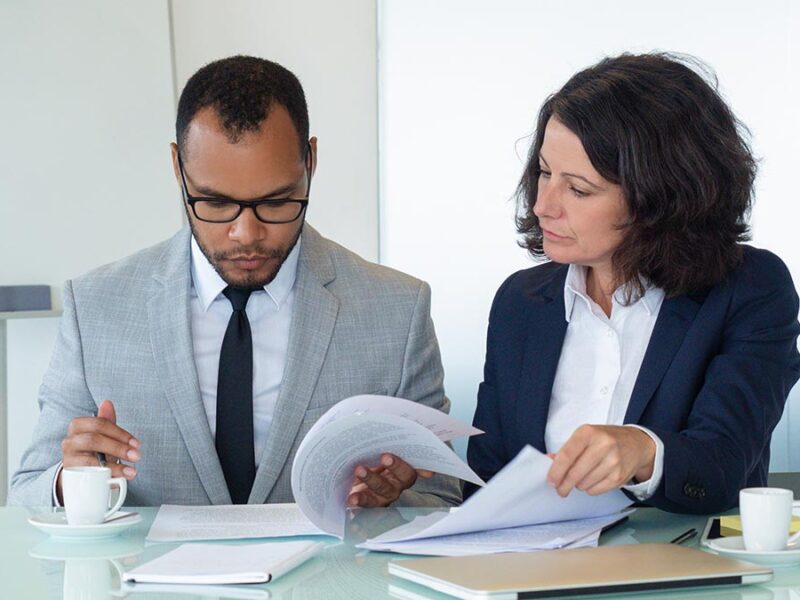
[{"x": 242, "y": 91}]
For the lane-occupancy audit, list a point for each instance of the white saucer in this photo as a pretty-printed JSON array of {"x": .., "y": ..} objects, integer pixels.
[
  {"x": 733, "y": 547},
  {"x": 56, "y": 525}
]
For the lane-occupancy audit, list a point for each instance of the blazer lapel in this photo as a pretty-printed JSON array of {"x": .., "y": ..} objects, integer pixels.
[
  {"x": 315, "y": 311},
  {"x": 546, "y": 328},
  {"x": 674, "y": 320},
  {"x": 170, "y": 325}
]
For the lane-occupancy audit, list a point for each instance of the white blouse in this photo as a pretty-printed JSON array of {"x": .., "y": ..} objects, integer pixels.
[{"x": 599, "y": 364}]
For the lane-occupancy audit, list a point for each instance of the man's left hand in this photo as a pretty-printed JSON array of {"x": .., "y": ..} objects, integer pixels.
[
  {"x": 599, "y": 458},
  {"x": 382, "y": 485}
]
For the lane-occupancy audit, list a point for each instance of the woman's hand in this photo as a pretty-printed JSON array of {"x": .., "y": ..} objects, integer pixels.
[{"x": 599, "y": 458}]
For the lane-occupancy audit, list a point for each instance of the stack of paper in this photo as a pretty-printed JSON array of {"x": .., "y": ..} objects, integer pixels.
[
  {"x": 356, "y": 431},
  {"x": 499, "y": 516},
  {"x": 548, "y": 536}
]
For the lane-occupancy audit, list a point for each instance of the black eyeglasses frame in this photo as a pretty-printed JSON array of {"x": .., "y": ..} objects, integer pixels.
[{"x": 242, "y": 204}]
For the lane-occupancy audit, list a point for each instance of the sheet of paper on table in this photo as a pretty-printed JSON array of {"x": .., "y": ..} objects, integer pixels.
[
  {"x": 517, "y": 496},
  {"x": 547, "y": 536},
  {"x": 194, "y": 523},
  {"x": 357, "y": 431}
]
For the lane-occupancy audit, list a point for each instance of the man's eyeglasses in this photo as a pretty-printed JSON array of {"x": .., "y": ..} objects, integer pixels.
[{"x": 268, "y": 210}]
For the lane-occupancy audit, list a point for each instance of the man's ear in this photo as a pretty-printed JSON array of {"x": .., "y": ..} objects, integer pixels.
[
  {"x": 173, "y": 147},
  {"x": 313, "y": 145}
]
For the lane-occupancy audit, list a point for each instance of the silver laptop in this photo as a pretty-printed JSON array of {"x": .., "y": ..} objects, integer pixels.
[{"x": 578, "y": 571}]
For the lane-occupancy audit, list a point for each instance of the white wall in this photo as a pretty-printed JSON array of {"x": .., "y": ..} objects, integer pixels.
[
  {"x": 332, "y": 48},
  {"x": 86, "y": 123},
  {"x": 86, "y": 117},
  {"x": 87, "y": 114},
  {"x": 461, "y": 82}
]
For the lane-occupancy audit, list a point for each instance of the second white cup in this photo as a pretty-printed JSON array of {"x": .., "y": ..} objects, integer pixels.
[
  {"x": 766, "y": 517},
  {"x": 87, "y": 493}
]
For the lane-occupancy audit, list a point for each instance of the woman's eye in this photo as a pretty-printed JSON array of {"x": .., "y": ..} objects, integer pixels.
[
  {"x": 543, "y": 173},
  {"x": 579, "y": 193}
]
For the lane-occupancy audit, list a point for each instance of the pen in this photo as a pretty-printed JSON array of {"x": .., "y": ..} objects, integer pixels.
[
  {"x": 685, "y": 536},
  {"x": 101, "y": 457},
  {"x": 118, "y": 517}
]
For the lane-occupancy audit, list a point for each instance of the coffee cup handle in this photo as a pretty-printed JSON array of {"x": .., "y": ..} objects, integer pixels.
[{"x": 123, "y": 490}]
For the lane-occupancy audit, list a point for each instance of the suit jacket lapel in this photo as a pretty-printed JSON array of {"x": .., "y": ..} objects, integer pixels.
[
  {"x": 546, "y": 329},
  {"x": 315, "y": 310},
  {"x": 674, "y": 320},
  {"x": 170, "y": 323}
]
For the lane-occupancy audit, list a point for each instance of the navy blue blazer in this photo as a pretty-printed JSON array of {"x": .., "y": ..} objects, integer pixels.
[{"x": 712, "y": 384}]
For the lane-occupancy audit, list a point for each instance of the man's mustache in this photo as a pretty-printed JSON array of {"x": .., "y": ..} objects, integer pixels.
[{"x": 251, "y": 252}]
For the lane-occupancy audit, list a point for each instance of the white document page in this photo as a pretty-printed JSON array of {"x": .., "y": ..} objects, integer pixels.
[
  {"x": 547, "y": 536},
  {"x": 221, "y": 564},
  {"x": 323, "y": 468},
  {"x": 444, "y": 426},
  {"x": 192, "y": 523},
  {"x": 518, "y": 495}
]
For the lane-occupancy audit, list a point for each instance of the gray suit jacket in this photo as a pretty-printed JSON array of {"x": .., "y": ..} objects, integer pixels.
[{"x": 126, "y": 336}]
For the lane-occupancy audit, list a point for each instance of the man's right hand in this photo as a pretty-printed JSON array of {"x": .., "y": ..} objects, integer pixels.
[{"x": 88, "y": 436}]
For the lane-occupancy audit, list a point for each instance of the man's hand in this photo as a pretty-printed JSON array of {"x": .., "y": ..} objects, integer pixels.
[
  {"x": 88, "y": 436},
  {"x": 599, "y": 458},
  {"x": 382, "y": 485}
]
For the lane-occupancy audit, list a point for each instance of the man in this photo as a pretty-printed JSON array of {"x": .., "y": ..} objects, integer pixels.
[{"x": 196, "y": 367}]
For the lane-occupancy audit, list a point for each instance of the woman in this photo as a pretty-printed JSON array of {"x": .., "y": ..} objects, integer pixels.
[{"x": 655, "y": 352}]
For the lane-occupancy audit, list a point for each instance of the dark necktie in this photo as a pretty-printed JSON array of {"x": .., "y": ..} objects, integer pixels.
[{"x": 234, "y": 437}]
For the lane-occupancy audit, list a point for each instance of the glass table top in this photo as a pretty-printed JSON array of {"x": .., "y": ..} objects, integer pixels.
[{"x": 33, "y": 565}]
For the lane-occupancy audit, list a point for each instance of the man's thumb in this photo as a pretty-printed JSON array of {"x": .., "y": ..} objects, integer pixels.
[{"x": 106, "y": 411}]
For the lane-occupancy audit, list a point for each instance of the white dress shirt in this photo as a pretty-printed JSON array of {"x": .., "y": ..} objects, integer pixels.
[
  {"x": 270, "y": 316},
  {"x": 599, "y": 364}
]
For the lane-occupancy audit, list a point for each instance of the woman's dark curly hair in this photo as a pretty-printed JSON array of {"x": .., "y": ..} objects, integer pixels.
[{"x": 656, "y": 127}]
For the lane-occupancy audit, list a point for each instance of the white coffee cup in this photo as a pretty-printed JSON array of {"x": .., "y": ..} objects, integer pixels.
[
  {"x": 766, "y": 517},
  {"x": 87, "y": 493}
]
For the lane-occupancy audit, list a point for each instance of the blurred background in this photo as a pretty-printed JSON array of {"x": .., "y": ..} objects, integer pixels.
[{"x": 423, "y": 112}]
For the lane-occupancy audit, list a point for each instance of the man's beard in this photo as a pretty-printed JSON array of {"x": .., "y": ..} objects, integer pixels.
[{"x": 251, "y": 280}]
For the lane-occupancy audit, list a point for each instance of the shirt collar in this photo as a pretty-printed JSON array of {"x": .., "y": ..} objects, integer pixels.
[
  {"x": 652, "y": 298},
  {"x": 575, "y": 287},
  {"x": 209, "y": 285}
]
